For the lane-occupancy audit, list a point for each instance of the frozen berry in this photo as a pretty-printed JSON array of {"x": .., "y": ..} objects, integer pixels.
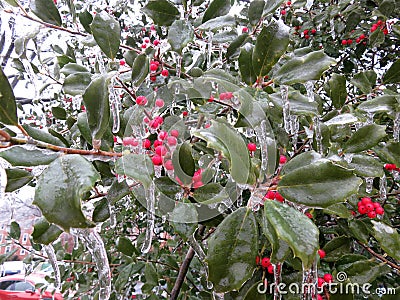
[
  {"x": 328, "y": 277},
  {"x": 141, "y": 100},
  {"x": 252, "y": 147},
  {"x": 321, "y": 253},
  {"x": 265, "y": 262},
  {"x": 164, "y": 72},
  {"x": 157, "y": 160},
  {"x": 174, "y": 133},
  {"x": 379, "y": 211},
  {"x": 371, "y": 214}
]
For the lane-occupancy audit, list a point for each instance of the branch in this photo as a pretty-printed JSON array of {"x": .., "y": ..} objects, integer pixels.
[
  {"x": 380, "y": 257},
  {"x": 184, "y": 269}
]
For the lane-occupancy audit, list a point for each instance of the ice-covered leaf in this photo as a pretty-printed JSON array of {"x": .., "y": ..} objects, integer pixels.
[
  {"x": 17, "y": 178},
  {"x": 162, "y": 12},
  {"x": 107, "y": 33},
  {"x": 365, "y": 138},
  {"x": 393, "y": 74},
  {"x": 388, "y": 238},
  {"x": 180, "y": 34},
  {"x": 245, "y": 65},
  {"x": 23, "y": 157},
  {"x": 216, "y": 8},
  {"x": 337, "y": 90},
  {"x": 140, "y": 69},
  {"x": 46, "y": 10},
  {"x": 44, "y": 232},
  {"x": 76, "y": 84},
  {"x": 60, "y": 188},
  {"x": 137, "y": 166},
  {"x": 8, "y": 107},
  {"x": 184, "y": 219}
]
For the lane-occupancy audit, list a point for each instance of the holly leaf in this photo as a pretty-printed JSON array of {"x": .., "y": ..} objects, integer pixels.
[
  {"x": 8, "y": 107},
  {"x": 44, "y": 232},
  {"x": 46, "y": 10},
  {"x": 393, "y": 74},
  {"x": 163, "y": 12},
  {"x": 17, "y": 178},
  {"x": 140, "y": 69},
  {"x": 365, "y": 138},
  {"x": 388, "y": 238},
  {"x": 137, "y": 166},
  {"x": 232, "y": 250},
  {"x": 245, "y": 66},
  {"x": 20, "y": 156},
  {"x": 180, "y": 34},
  {"x": 107, "y": 33},
  {"x": 60, "y": 189},
  {"x": 184, "y": 219},
  {"x": 216, "y": 8}
]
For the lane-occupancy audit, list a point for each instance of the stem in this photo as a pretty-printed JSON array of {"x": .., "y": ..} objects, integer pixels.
[{"x": 380, "y": 257}]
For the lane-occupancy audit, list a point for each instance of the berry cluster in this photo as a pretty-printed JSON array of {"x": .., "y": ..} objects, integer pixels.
[
  {"x": 306, "y": 32},
  {"x": 285, "y": 7},
  {"x": 326, "y": 279},
  {"x": 370, "y": 208},
  {"x": 360, "y": 39},
  {"x": 265, "y": 264},
  {"x": 274, "y": 195},
  {"x": 379, "y": 25},
  {"x": 391, "y": 167}
]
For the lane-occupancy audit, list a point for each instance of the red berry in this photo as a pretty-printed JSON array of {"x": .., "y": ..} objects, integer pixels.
[
  {"x": 164, "y": 72},
  {"x": 146, "y": 144},
  {"x": 379, "y": 211},
  {"x": 319, "y": 297},
  {"x": 288, "y": 3},
  {"x": 122, "y": 62},
  {"x": 349, "y": 41},
  {"x": 321, "y": 253},
  {"x": 313, "y": 31},
  {"x": 270, "y": 195},
  {"x": 270, "y": 269},
  {"x": 162, "y": 135},
  {"x": 371, "y": 214},
  {"x": 211, "y": 99},
  {"x": 265, "y": 262},
  {"x": 362, "y": 209},
  {"x": 305, "y": 31},
  {"x": 153, "y": 67},
  {"x": 344, "y": 42},
  {"x": 156, "y": 42},
  {"x": 245, "y": 29},
  {"x": 168, "y": 165},
  {"x": 153, "y": 78},
  {"x": 141, "y": 100},
  {"x": 185, "y": 113},
  {"x": 358, "y": 40},
  {"x": 376, "y": 204},
  {"x": 309, "y": 215},
  {"x": 159, "y": 103},
  {"x": 362, "y": 36},
  {"x": 157, "y": 143},
  {"x": 174, "y": 133},
  {"x": 279, "y": 197},
  {"x": 390, "y": 167},
  {"x": 369, "y": 207},
  {"x": 328, "y": 277},
  {"x": 159, "y": 119},
  {"x": 146, "y": 40},
  {"x": 374, "y": 27},
  {"x": 157, "y": 160},
  {"x": 152, "y": 27},
  {"x": 130, "y": 141},
  {"x": 171, "y": 140},
  {"x": 282, "y": 159},
  {"x": 144, "y": 46},
  {"x": 321, "y": 281},
  {"x": 366, "y": 200},
  {"x": 161, "y": 150},
  {"x": 306, "y": 36},
  {"x": 283, "y": 12},
  {"x": 252, "y": 147},
  {"x": 379, "y": 22}
]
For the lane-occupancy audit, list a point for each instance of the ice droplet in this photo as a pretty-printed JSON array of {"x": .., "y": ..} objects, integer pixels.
[
  {"x": 382, "y": 187},
  {"x": 285, "y": 107},
  {"x": 53, "y": 261},
  {"x": 92, "y": 240},
  {"x": 369, "y": 181},
  {"x": 150, "y": 206},
  {"x": 396, "y": 128}
]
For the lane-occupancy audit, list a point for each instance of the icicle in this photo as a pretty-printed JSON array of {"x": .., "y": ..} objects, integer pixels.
[
  {"x": 256, "y": 199},
  {"x": 218, "y": 296},
  {"x": 309, "y": 85},
  {"x": 53, "y": 261},
  {"x": 113, "y": 217},
  {"x": 249, "y": 132},
  {"x": 382, "y": 187},
  {"x": 318, "y": 134},
  {"x": 157, "y": 171},
  {"x": 310, "y": 283},
  {"x": 396, "y": 128},
  {"x": 100, "y": 62},
  {"x": 309, "y": 3},
  {"x": 369, "y": 181},
  {"x": 261, "y": 135},
  {"x": 209, "y": 49},
  {"x": 396, "y": 175},
  {"x": 332, "y": 25},
  {"x": 31, "y": 76},
  {"x": 3, "y": 183},
  {"x": 348, "y": 157},
  {"x": 370, "y": 118},
  {"x": 114, "y": 105},
  {"x": 294, "y": 129},
  {"x": 95, "y": 245},
  {"x": 285, "y": 107},
  {"x": 150, "y": 207},
  {"x": 224, "y": 205},
  {"x": 277, "y": 280}
]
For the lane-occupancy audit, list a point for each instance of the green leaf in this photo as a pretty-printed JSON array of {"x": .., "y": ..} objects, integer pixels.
[
  {"x": 271, "y": 6},
  {"x": 8, "y": 107},
  {"x": 339, "y": 209},
  {"x": 107, "y": 33},
  {"x": 245, "y": 65},
  {"x": 163, "y": 12},
  {"x": 137, "y": 166},
  {"x": 20, "y": 156},
  {"x": 254, "y": 294},
  {"x": 336, "y": 248},
  {"x": 44, "y": 232},
  {"x": 180, "y": 34},
  {"x": 296, "y": 229},
  {"x": 216, "y": 8},
  {"x": 393, "y": 74},
  {"x": 60, "y": 188},
  {"x": 367, "y": 166},
  {"x": 210, "y": 193},
  {"x": 389, "y": 153},
  {"x": 96, "y": 100},
  {"x": 140, "y": 69},
  {"x": 221, "y": 137},
  {"x": 183, "y": 162},
  {"x": 364, "y": 81},
  {"x": 15, "y": 230},
  {"x": 117, "y": 191},
  {"x": 41, "y": 135},
  {"x": 255, "y": 11},
  {"x": 302, "y": 160},
  {"x": 72, "y": 68},
  {"x": 337, "y": 90},
  {"x": 359, "y": 230},
  {"x": 319, "y": 184},
  {"x": 76, "y": 84},
  {"x": 184, "y": 219},
  {"x": 125, "y": 246},
  {"x": 236, "y": 44},
  {"x": 12, "y": 3},
  {"x": 101, "y": 211},
  {"x": 86, "y": 19},
  {"x": 232, "y": 250},
  {"x": 376, "y": 38},
  {"x": 17, "y": 178},
  {"x": 46, "y": 10},
  {"x": 217, "y": 23},
  {"x": 364, "y": 271},
  {"x": 388, "y": 238},
  {"x": 387, "y": 7},
  {"x": 310, "y": 66},
  {"x": 59, "y": 112},
  {"x": 271, "y": 44},
  {"x": 384, "y": 103},
  {"x": 365, "y": 138}
]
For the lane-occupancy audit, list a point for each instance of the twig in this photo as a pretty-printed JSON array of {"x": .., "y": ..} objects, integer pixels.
[{"x": 380, "y": 257}]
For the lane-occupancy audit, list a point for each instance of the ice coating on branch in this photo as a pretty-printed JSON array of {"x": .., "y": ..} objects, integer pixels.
[
  {"x": 100, "y": 61},
  {"x": 196, "y": 247},
  {"x": 318, "y": 134},
  {"x": 294, "y": 129},
  {"x": 396, "y": 128},
  {"x": 368, "y": 184},
  {"x": 262, "y": 138},
  {"x": 113, "y": 217},
  {"x": 150, "y": 206},
  {"x": 53, "y": 261},
  {"x": 115, "y": 103},
  {"x": 332, "y": 25},
  {"x": 310, "y": 283},
  {"x": 92, "y": 240},
  {"x": 277, "y": 280},
  {"x": 285, "y": 107},
  {"x": 309, "y": 85},
  {"x": 382, "y": 187},
  {"x": 209, "y": 49}
]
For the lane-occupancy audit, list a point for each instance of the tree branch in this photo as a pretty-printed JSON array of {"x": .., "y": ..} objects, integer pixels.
[{"x": 380, "y": 257}]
